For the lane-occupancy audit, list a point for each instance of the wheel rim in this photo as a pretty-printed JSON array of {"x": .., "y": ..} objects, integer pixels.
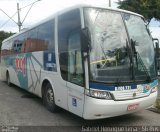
[{"x": 50, "y": 98}]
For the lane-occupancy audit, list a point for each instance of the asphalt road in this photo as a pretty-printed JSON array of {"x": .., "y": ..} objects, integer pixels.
[{"x": 20, "y": 108}]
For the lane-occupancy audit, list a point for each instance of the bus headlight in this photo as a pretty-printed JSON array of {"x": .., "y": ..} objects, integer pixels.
[
  {"x": 99, "y": 94},
  {"x": 154, "y": 89}
]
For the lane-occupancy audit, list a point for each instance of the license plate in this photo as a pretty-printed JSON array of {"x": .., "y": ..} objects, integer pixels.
[{"x": 132, "y": 107}]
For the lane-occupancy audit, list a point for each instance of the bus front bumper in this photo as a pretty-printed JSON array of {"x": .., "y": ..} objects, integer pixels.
[{"x": 99, "y": 108}]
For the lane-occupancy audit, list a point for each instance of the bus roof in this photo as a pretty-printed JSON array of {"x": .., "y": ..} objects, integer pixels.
[{"x": 69, "y": 9}]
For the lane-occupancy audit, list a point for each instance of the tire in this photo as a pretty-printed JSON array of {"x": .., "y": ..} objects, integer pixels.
[
  {"x": 8, "y": 79},
  {"x": 48, "y": 98}
]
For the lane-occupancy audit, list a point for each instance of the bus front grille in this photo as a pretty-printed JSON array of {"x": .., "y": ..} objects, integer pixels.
[{"x": 130, "y": 94}]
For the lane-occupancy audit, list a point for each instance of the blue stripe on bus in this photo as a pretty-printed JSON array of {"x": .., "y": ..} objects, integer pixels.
[{"x": 102, "y": 86}]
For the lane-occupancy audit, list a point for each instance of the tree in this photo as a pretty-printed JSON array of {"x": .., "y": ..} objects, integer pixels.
[
  {"x": 148, "y": 8},
  {"x": 4, "y": 35}
]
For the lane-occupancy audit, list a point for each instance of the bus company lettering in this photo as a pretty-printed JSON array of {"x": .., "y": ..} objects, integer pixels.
[
  {"x": 121, "y": 88},
  {"x": 20, "y": 64}
]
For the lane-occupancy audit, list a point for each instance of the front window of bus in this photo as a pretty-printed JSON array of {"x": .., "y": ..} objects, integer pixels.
[
  {"x": 142, "y": 46},
  {"x": 109, "y": 54}
]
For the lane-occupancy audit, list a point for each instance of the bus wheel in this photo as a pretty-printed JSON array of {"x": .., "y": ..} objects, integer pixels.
[
  {"x": 48, "y": 99},
  {"x": 8, "y": 79}
]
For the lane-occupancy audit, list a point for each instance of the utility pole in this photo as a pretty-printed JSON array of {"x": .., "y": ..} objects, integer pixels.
[
  {"x": 19, "y": 21},
  {"x": 109, "y": 3}
]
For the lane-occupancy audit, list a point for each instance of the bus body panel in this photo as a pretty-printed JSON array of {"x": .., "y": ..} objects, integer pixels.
[
  {"x": 3, "y": 70},
  {"x": 30, "y": 70},
  {"x": 75, "y": 99},
  {"x": 98, "y": 108},
  {"x": 31, "y": 75},
  {"x": 59, "y": 88}
]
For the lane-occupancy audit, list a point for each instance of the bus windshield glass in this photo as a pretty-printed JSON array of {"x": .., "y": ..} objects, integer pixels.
[
  {"x": 111, "y": 59},
  {"x": 142, "y": 46}
]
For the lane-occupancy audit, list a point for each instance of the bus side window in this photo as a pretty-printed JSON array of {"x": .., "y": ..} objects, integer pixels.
[
  {"x": 6, "y": 48},
  {"x": 16, "y": 45},
  {"x": 31, "y": 42},
  {"x": 69, "y": 26},
  {"x": 46, "y": 36},
  {"x": 75, "y": 70}
]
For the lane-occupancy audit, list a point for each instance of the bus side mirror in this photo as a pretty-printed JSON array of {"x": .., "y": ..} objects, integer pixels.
[
  {"x": 85, "y": 40},
  {"x": 157, "y": 59},
  {"x": 157, "y": 49},
  {"x": 156, "y": 42}
]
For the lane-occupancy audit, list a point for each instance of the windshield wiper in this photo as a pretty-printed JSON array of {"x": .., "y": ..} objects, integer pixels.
[
  {"x": 138, "y": 57},
  {"x": 131, "y": 60}
]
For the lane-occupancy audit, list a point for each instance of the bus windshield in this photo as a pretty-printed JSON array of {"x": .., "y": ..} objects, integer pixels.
[
  {"x": 111, "y": 59},
  {"x": 142, "y": 46}
]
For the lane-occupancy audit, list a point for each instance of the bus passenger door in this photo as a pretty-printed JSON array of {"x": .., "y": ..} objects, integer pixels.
[
  {"x": 75, "y": 79},
  {"x": 69, "y": 47}
]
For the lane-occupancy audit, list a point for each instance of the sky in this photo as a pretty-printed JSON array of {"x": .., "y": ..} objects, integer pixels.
[
  {"x": 44, "y": 8},
  {"x": 39, "y": 11}
]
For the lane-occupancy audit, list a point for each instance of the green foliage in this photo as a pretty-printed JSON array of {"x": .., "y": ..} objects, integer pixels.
[
  {"x": 4, "y": 35},
  {"x": 157, "y": 104},
  {"x": 148, "y": 8}
]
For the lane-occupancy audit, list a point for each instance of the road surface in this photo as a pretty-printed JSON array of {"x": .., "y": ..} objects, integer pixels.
[{"x": 20, "y": 108}]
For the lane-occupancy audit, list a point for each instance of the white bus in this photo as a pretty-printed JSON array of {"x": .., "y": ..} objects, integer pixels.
[{"x": 94, "y": 62}]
